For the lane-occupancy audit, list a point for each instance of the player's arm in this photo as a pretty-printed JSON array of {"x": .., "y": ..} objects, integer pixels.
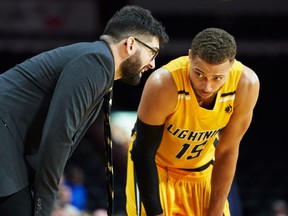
[
  {"x": 158, "y": 100},
  {"x": 228, "y": 147}
]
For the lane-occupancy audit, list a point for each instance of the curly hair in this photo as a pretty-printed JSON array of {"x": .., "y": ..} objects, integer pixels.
[
  {"x": 135, "y": 21},
  {"x": 214, "y": 46}
]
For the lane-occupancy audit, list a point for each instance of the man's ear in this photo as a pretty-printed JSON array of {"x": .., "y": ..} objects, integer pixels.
[{"x": 130, "y": 45}]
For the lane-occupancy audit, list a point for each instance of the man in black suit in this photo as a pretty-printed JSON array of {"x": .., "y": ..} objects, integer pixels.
[{"x": 48, "y": 102}]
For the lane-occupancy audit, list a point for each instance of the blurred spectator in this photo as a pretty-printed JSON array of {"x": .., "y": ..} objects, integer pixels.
[
  {"x": 120, "y": 148},
  {"x": 63, "y": 207},
  {"x": 279, "y": 208},
  {"x": 100, "y": 212},
  {"x": 90, "y": 158},
  {"x": 75, "y": 178}
]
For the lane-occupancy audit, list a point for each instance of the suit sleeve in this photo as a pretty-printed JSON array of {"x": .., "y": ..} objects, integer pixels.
[
  {"x": 144, "y": 149},
  {"x": 81, "y": 84}
]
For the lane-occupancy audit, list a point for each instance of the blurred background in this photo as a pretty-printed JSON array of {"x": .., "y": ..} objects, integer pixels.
[{"x": 28, "y": 27}]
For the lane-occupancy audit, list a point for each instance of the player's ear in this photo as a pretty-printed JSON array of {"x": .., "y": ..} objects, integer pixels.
[{"x": 190, "y": 53}]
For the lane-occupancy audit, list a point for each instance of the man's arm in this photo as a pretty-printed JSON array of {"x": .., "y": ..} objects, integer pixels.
[
  {"x": 69, "y": 110},
  {"x": 226, "y": 154},
  {"x": 158, "y": 100}
]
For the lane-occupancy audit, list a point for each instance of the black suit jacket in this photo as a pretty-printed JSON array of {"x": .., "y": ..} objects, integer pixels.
[{"x": 47, "y": 104}]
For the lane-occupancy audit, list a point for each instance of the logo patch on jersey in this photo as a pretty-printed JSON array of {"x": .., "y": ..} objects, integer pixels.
[
  {"x": 182, "y": 94},
  {"x": 228, "y": 109}
]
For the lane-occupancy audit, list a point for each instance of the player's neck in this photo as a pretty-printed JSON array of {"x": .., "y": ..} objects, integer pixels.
[{"x": 207, "y": 103}]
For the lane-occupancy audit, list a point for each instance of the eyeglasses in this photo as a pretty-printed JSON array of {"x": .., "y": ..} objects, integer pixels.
[{"x": 154, "y": 52}]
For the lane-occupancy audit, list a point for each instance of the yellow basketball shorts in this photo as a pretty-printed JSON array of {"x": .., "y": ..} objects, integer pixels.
[{"x": 182, "y": 193}]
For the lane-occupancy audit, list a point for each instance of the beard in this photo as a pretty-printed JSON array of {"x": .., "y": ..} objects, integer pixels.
[{"x": 131, "y": 68}]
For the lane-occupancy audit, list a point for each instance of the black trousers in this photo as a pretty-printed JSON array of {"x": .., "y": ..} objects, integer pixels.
[{"x": 20, "y": 203}]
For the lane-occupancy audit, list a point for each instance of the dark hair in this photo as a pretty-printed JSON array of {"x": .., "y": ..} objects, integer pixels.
[
  {"x": 214, "y": 46},
  {"x": 135, "y": 21}
]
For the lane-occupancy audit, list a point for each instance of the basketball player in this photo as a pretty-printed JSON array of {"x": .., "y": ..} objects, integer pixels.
[{"x": 185, "y": 107}]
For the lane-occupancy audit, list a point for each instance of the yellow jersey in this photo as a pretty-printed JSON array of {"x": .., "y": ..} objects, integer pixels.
[{"x": 190, "y": 131}]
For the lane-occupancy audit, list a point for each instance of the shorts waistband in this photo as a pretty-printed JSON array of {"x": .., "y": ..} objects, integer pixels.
[{"x": 199, "y": 169}]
